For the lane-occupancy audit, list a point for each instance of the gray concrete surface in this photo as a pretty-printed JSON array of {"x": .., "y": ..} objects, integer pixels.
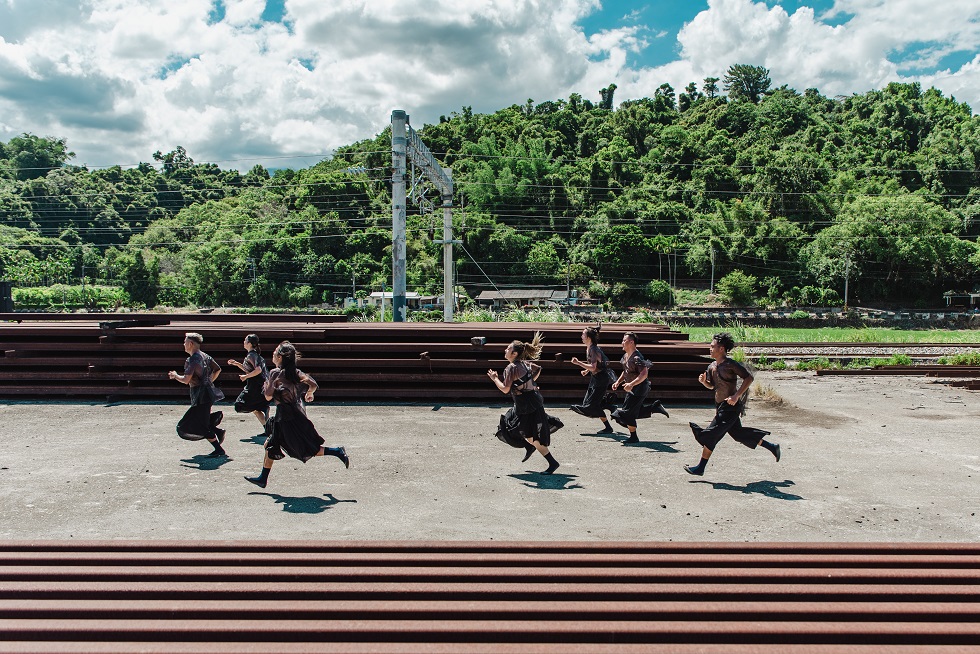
[{"x": 864, "y": 459}]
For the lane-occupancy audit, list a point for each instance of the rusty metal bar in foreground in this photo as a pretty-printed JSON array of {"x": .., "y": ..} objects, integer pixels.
[{"x": 214, "y": 597}]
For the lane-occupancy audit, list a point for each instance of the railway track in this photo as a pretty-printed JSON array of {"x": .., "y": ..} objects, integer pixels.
[{"x": 916, "y": 351}]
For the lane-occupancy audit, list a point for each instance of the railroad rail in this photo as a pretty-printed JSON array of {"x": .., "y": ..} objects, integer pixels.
[{"x": 471, "y": 597}]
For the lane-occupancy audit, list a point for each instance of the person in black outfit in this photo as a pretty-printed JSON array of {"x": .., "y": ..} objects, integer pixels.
[
  {"x": 527, "y": 418},
  {"x": 254, "y": 374},
  {"x": 200, "y": 371},
  {"x": 634, "y": 381},
  {"x": 596, "y": 367},
  {"x": 291, "y": 431},
  {"x": 722, "y": 377}
]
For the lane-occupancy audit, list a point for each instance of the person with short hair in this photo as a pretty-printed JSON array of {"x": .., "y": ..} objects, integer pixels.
[
  {"x": 200, "y": 371},
  {"x": 254, "y": 374},
  {"x": 634, "y": 380},
  {"x": 291, "y": 431},
  {"x": 722, "y": 376},
  {"x": 527, "y": 419}
]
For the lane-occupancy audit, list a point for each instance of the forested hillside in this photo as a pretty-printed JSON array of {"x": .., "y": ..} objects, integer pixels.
[{"x": 787, "y": 193}]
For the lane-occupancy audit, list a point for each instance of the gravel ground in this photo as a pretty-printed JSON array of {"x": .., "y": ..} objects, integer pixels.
[{"x": 863, "y": 459}]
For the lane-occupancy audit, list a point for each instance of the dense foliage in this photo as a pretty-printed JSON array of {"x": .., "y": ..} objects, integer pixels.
[{"x": 780, "y": 194}]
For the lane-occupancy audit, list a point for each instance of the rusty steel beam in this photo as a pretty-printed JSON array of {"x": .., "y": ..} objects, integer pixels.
[{"x": 390, "y": 596}]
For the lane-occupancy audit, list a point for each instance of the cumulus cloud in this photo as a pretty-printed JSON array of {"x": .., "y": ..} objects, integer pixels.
[
  {"x": 857, "y": 46},
  {"x": 121, "y": 79}
]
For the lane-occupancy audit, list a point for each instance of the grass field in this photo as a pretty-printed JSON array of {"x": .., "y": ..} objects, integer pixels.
[{"x": 746, "y": 334}]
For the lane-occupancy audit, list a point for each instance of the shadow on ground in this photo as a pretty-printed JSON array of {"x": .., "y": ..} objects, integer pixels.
[
  {"x": 205, "y": 462},
  {"x": 555, "y": 481},
  {"x": 310, "y": 504},
  {"x": 765, "y": 487}
]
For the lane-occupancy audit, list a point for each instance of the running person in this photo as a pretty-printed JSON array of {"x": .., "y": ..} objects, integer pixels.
[
  {"x": 596, "y": 366},
  {"x": 634, "y": 381},
  {"x": 527, "y": 418},
  {"x": 254, "y": 374},
  {"x": 291, "y": 431},
  {"x": 200, "y": 371},
  {"x": 722, "y": 377}
]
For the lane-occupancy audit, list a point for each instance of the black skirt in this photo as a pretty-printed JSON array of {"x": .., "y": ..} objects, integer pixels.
[
  {"x": 292, "y": 433},
  {"x": 630, "y": 412},
  {"x": 527, "y": 419},
  {"x": 198, "y": 422},
  {"x": 251, "y": 397},
  {"x": 591, "y": 406}
]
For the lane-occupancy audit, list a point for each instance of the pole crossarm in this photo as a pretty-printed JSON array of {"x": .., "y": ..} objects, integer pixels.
[{"x": 421, "y": 157}]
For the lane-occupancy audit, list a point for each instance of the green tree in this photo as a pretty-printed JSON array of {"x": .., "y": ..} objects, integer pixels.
[
  {"x": 745, "y": 82},
  {"x": 31, "y": 157}
]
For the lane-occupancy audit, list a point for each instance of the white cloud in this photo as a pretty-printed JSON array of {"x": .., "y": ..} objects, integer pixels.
[
  {"x": 872, "y": 46},
  {"x": 123, "y": 78}
]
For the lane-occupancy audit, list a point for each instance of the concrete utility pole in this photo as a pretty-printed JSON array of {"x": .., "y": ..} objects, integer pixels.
[
  {"x": 399, "y": 141},
  {"x": 448, "y": 285},
  {"x": 712, "y": 269},
  {"x": 847, "y": 277}
]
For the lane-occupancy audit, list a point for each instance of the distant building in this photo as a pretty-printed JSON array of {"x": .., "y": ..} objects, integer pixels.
[
  {"x": 519, "y": 297},
  {"x": 962, "y": 300},
  {"x": 412, "y": 299}
]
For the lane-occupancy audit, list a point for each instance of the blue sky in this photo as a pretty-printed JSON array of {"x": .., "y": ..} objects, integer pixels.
[{"x": 284, "y": 82}]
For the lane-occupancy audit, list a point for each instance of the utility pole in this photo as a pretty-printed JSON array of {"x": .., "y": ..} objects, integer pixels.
[
  {"x": 568, "y": 284},
  {"x": 83, "y": 285},
  {"x": 847, "y": 277},
  {"x": 448, "y": 284},
  {"x": 399, "y": 145},
  {"x": 712, "y": 269}
]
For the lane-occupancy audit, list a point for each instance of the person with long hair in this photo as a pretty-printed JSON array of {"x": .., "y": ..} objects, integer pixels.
[
  {"x": 200, "y": 371},
  {"x": 722, "y": 376},
  {"x": 634, "y": 380},
  {"x": 291, "y": 431},
  {"x": 254, "y": 374},
  {"x": 596, "y": 367},
  {"x": 527, "y": 419}
]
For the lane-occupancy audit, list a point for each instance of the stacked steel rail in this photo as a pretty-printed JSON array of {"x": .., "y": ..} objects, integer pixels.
[
  {"x": 129, "y": 356},
  {"x": 468, "y": 597}
]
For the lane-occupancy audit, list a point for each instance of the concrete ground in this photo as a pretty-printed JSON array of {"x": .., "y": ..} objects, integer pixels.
[{"x": 863, "y": 459}]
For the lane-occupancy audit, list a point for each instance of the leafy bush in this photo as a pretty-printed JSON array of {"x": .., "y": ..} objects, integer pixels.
[
  {"x": 474, "y": 315},
  {"x": 737, "y": 289},
  {"x": 867, "y": 363},
  {"x": 819, "y": 363},
  {"x": 800, "y": 314},
  {"x": 172, "y": 292},
  {"x": 598, "y": 290},
  {"x": 970, "y": 359},
  {"x": 778, "y": 364},
  {"x": 659, "y": 293},
  {"x": 900, "y": 360},
  {"x": 425, "y": 316},
  {"x": 691, "y": 298},
  {"x": 813, "y": 296},
  {"x": 62, "y": 297},
  {"x": 301, "y": 296}
]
